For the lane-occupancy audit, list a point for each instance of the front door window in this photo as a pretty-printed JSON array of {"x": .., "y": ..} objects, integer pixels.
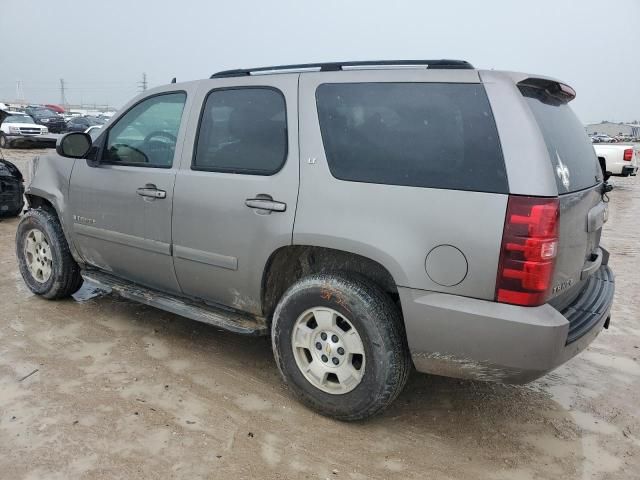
[{"x": 146, "y": 135}]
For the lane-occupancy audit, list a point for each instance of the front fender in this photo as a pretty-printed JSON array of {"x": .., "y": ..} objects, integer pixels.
[{"x": 50, "y": 177}]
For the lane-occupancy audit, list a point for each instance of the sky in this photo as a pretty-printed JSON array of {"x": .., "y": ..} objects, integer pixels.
[{"x": 102, "y": 48}]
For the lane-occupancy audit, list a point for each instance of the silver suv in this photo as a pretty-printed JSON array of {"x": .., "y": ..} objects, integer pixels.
[{"x": 368, "y": 216}]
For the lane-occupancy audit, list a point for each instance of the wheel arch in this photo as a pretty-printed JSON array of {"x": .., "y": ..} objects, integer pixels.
[
  {"x": 36, "y": 199},
  {"x": 288, "y": 264}
]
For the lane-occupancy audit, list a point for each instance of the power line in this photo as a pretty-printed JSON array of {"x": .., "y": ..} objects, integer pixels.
[
  {"x": 97, "y": 88},
  {"x": 143, "y": 83},
  {"x": 63, "y": 97},
  {"x": 19, "y": 91}
]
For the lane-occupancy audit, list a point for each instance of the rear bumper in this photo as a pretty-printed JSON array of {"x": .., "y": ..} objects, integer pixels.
[
  {"x": 629, "y": 170},
  {"x": 483, "y": 340}
]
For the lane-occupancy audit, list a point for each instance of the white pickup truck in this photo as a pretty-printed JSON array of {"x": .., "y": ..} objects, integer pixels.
[
  {"x": 16, "y": 126},
  {"x": 618, "y": 159}
]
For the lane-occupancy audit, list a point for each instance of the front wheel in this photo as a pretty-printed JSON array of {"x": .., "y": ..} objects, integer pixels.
[
  {"x": 44, "y": 258},
  {"x": 340, "y": 345},
  {"x": 4, "y": 143}
]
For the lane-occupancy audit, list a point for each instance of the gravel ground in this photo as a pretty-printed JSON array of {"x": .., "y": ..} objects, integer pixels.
[{"x": 127, "y": 391}]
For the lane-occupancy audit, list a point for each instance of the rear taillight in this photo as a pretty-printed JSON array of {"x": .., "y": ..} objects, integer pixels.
[
  {"x": 628, "y": 154},
  {"x": 528, "y": 252}
]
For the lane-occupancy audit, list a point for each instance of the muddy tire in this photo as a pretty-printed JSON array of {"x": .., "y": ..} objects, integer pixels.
[
  {"x": 44, "y": 258},
  {"x": 340, "y": 345}
]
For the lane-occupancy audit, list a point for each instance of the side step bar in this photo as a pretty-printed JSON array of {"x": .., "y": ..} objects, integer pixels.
[{"x": 218, "y": 316}]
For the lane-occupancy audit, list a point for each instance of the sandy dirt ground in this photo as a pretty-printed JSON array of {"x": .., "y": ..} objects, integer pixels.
[{"x": 127, "y": 391}]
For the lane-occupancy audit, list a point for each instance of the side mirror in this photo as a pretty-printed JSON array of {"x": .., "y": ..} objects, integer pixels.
[{"x": 74, "y": 145}]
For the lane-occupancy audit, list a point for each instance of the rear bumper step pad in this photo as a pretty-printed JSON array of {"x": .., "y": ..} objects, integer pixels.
[{"x": 591, "y": 304}]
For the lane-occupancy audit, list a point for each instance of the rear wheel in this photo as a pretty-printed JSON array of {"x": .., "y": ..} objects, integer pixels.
[
  {"x": 340, "y": 345},
  {"x": 44, "y": 258}
]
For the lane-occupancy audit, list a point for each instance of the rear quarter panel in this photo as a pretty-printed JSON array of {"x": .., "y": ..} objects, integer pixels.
[
  {"x": 525, "y": 154},
  {"x": 397, "y": 226}
]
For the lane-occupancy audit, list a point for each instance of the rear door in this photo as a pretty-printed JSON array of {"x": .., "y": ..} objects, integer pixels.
[
  {"x": 578, "y": 178},
  {"x": 236, "y": 192}
]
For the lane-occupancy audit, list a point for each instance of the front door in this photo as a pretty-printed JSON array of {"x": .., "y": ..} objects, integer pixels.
[
  {"x": 236, "y": 192},
  {"x": 122, "y": 205}
]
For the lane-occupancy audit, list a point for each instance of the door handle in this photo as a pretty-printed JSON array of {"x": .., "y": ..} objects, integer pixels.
[
  {"x": 151, "y": 192},
  {"x": 265, "y": 203}
]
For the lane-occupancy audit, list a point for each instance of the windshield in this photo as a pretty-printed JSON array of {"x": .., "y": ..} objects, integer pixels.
[{"x": 19, "y": 119}]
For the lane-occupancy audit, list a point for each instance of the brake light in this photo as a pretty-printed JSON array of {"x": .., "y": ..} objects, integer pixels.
[
  {"x": 568, "y": 91},
  {"x": 528, "y": 251},
  {"x": 628, "y": 154}
]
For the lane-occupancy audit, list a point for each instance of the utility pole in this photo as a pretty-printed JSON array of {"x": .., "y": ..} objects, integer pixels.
[
  {"x": 19, "y": 92},
  {"x": 63, "y": 97},
  {"x": 143, "y": 84}
]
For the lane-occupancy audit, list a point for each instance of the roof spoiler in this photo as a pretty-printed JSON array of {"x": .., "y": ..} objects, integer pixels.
[{"x": 560, "y": 92}]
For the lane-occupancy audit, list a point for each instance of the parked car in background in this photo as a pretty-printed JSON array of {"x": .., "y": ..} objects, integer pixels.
[
  {"x": 82, "y": 123},
  {"x": 620, "y": 160},
  {"x": 43, "y": 116},
  {"x": 16, "y": 125},
  {"x": 55, "y": 108},
  {"x": 428, "y": 231},
  {"x": 602, "y": 138}
]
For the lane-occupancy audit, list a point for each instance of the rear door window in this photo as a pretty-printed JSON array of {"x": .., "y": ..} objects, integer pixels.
[
  {"x": 571, "y": 153},
  {"x": 242, "y": 130},
  {"x": 438, "y": 135}
]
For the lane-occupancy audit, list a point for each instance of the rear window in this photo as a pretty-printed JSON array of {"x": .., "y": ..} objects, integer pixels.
[
  {"x": 574, "y": 161},
  {"x": 438, "y": 135}
]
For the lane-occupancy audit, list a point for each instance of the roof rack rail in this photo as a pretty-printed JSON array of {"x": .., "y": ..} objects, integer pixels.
[{"x": 337, "y": 66}]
